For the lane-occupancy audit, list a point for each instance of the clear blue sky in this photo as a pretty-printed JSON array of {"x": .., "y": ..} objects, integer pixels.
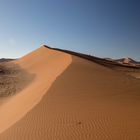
[{"x": 105, "y": 28}]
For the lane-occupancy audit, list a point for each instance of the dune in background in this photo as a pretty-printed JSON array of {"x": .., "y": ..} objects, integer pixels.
[{"x": 87, "y": 101}]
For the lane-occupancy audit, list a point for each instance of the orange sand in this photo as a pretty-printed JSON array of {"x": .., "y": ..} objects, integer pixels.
[
  {"x": 86, "y": 102},
  {"x": 46, "y": 65}
]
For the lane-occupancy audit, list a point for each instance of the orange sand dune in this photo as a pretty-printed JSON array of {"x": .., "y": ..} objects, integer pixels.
[
  {"x": 86, "y": 102},
  {"x": 46, "y": 65}
]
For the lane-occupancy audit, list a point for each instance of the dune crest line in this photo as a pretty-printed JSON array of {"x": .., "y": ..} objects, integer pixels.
[{"x": 47, "y": 65}]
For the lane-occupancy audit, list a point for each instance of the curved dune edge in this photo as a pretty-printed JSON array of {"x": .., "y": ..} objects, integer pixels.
[
  {"x": 86, "y": 102},
  {"x": 47, "y": 65}
]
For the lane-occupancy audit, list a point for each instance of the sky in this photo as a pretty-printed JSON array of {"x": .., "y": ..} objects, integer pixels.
[{"x": 103, "y": 28}]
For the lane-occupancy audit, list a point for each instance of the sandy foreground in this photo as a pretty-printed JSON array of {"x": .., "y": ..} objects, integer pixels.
[{"x": 71, "y": 98}]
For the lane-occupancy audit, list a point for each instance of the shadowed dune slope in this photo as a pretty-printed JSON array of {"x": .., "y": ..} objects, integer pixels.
[{"x": 86, "y": 102}]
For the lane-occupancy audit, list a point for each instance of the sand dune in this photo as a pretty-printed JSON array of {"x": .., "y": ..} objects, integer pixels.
[
  {"x": 45, "y": 65},
  {"x": 86, "y": 102}
]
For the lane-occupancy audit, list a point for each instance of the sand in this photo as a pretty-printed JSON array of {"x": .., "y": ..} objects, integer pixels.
[
  {"x": 72, "y": 99},
  {"x": 12, "y": 79},
  {"x": 135, "y": 74},
  {"x": 45, "y": 65}
]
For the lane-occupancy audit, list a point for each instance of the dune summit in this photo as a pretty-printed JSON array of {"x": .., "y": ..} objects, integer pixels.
[
  {"x": 45, "y": 65},
  {"x": 71, "y": 98}
]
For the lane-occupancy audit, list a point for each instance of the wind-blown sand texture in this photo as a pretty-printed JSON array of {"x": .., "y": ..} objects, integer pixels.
[{"x": 86, "y": 102}]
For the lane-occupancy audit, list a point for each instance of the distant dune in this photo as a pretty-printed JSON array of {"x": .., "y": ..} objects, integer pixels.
[
  {"x": 5, "y": 60},
  {"x": 72, "y": 98},
  {"x": 128, "y": 61}
]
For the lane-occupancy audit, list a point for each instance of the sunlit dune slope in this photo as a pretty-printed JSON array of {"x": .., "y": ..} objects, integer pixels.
[
  {"x": 45, "y": 65},
  {"x": 86, "y": 102}
]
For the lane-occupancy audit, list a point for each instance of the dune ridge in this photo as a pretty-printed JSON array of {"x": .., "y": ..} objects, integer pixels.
[
  {"x": 88, "y": 101},
  {"x": 46, "y": 65}
]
